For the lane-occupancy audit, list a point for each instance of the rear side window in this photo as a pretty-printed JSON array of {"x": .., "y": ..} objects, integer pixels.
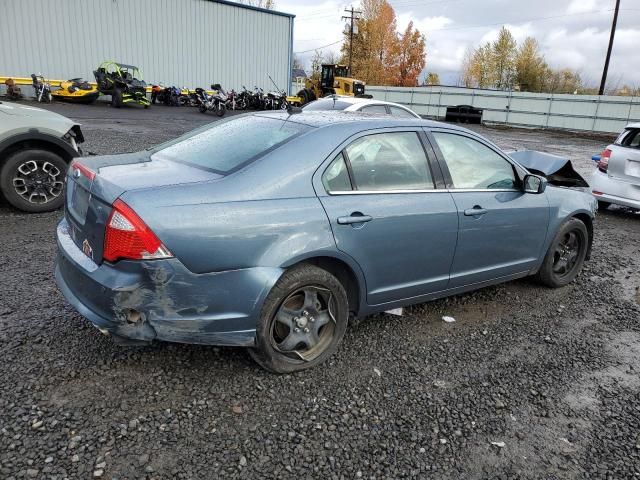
[
  {"x": 227, "y": 146},
  {"x": 401, "y": 112},
  {"x": 336, "y": 177},
  {"x": 389, "y": 161}
]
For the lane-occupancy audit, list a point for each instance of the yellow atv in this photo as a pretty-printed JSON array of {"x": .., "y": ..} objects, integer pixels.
[
  {"x": 76, "y": 90},
  {"x": 334, "y": 80}
]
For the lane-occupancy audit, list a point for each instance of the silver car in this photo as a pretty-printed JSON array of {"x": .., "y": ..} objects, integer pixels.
[
  {"x": 36, "y": 147},
  {"x": 358, "y": 104},
  {"x": 617, "y": 178}
]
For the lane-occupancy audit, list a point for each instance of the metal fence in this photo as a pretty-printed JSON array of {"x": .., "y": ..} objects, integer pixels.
[{"x": 536, "y": 110}]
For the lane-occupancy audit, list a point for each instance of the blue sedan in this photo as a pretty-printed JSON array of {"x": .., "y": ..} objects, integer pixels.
[{"x": 272, "y": 230}]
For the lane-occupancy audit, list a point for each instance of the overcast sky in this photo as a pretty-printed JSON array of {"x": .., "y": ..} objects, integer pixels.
[{"x": 571, "y": 33}]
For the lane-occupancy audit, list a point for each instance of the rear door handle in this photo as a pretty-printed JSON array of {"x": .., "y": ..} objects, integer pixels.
[
  {"x": 355, "y": 217},
  {"x": 477, "y": 210}
]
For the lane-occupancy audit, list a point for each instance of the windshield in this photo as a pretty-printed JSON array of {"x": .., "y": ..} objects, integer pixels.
[
  {"x": 326, "y": 104},
  {"x": 225, "y": 146}
]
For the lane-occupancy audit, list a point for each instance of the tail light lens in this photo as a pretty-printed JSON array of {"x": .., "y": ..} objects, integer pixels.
[
  {"x": 78, "y": 168},
  {"x": 603, "y": 163},
  {"x": 128, "y": 237}
]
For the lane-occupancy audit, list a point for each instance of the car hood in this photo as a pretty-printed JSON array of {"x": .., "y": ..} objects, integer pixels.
[
  {"x": 557, "y": 170},
  {"x": 37, "y": 116}
]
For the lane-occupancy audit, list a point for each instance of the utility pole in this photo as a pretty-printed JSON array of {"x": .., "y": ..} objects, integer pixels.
[
  {"x": 352, "y": 17},
  {"x": 606, "y": 62}
]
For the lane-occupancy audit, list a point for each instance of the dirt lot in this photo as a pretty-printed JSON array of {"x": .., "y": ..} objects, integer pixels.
[{"x": 528, "y": 383}]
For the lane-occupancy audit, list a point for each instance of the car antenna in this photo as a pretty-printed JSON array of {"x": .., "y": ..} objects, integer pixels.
[{"x": 290, "y": 108}]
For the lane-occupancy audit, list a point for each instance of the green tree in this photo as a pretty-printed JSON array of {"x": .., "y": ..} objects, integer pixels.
[
  {"x": 432, "y": 78},
  {"x": 503, "y": 60},
  {"x": 531, "y": 68}
]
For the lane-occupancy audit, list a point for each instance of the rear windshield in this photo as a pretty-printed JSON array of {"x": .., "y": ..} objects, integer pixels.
[
  {"x": 225, "y": 146},
  {"x": 629, "y": 138},
  {"x": 326, "y": 104}
]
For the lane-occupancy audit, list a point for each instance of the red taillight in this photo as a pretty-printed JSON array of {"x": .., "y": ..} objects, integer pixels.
[
  {"x": 76, "y": 166},
  {"x": 128, "y": 237},
  {"x": 603, "y": 163}
]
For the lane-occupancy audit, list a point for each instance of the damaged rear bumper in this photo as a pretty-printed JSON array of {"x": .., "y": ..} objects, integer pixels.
[{"x": 162, "y": 300}]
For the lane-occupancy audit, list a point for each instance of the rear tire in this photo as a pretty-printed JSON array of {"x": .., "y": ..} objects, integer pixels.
[
  {"x": 565, "y": 256},
  {"x": 603, "y": 205},
  {"x": 315, "y": 310},
  {"x": 21, "y": 173}
]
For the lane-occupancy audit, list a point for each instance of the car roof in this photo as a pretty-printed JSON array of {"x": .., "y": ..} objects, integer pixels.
[
  {"x": 633, "y": 125},
  {"x": 358, "y": 100},
  {"x": 327, "y": 118}
]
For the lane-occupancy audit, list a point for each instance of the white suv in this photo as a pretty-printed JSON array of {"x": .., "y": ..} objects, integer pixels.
[
  {"x": 36, "y": 147},
  {"x": 617, "y": 178}
]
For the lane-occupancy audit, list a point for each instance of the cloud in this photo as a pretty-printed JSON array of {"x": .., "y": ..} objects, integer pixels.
[
  {"x": 581, "y": 6},
  {"x": 570, "y": 34}
]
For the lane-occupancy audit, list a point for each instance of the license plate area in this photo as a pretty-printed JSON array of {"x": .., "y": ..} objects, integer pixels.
[
  {"x": 77, "y": 201},
  {"x": 633, "y": 168}
]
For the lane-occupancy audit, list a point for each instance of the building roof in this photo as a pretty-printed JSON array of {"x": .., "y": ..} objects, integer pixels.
[
  {"x": 299, "y": 72},
  {"x": 251, "y": 7}
]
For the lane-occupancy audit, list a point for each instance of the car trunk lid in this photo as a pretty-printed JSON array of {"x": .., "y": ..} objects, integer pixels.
[{"x": 95, "y": 183}]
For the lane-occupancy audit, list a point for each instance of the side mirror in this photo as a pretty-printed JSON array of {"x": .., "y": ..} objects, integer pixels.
[{"x": 534, "y": 184}]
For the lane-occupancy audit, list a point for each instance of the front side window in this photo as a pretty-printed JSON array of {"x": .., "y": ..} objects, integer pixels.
[
  {"x": 473, "y": 165},
  {"x": 389, "y": 161},
  {"x": 228, "y": 145}
]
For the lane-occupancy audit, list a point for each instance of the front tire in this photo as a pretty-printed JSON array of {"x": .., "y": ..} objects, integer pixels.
[
  {"x": 303, "y": 320},
  {"x": 33, "y": 180},
  {"x": 566, "y": 254},
  {"x": 116, "y": 98}
]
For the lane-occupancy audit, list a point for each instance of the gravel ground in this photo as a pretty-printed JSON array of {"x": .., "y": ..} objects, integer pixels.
[{"x": 528, "y": 383}]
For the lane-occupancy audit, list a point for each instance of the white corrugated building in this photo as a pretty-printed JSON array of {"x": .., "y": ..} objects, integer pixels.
[{"x": 177, "y": 42}]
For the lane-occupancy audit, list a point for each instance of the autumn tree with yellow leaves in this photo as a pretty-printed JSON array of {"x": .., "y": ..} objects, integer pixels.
[{"x": 381, "y": 55}]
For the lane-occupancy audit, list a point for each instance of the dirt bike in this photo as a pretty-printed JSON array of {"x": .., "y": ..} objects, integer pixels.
[{"x": 42, "y": 89}]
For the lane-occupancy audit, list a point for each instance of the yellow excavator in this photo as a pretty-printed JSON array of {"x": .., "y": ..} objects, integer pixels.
[{"x": 334, "y": 80}]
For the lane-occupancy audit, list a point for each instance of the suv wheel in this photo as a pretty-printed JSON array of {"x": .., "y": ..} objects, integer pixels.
[{"x": 33, "y": 180}]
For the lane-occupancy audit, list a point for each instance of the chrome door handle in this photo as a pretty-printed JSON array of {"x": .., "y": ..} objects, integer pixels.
[
  {"x": 475, "y": 211},
  {"x": 355, "y": 217}
]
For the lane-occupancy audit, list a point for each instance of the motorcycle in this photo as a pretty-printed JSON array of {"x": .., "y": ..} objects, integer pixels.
[
  {"x": 235, "y": 101},
  {"x": 169, "y": 96},
  {"x": 13, "y": 90},
  {"x": 276, "y": 101},
  {"x": 244, "y": 98},
  {"x": 41, "y": 88},
  {"x": 207, "y": 102}
]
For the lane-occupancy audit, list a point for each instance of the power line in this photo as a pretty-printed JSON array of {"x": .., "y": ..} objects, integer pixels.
[{"x": 318, "y": 48}]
